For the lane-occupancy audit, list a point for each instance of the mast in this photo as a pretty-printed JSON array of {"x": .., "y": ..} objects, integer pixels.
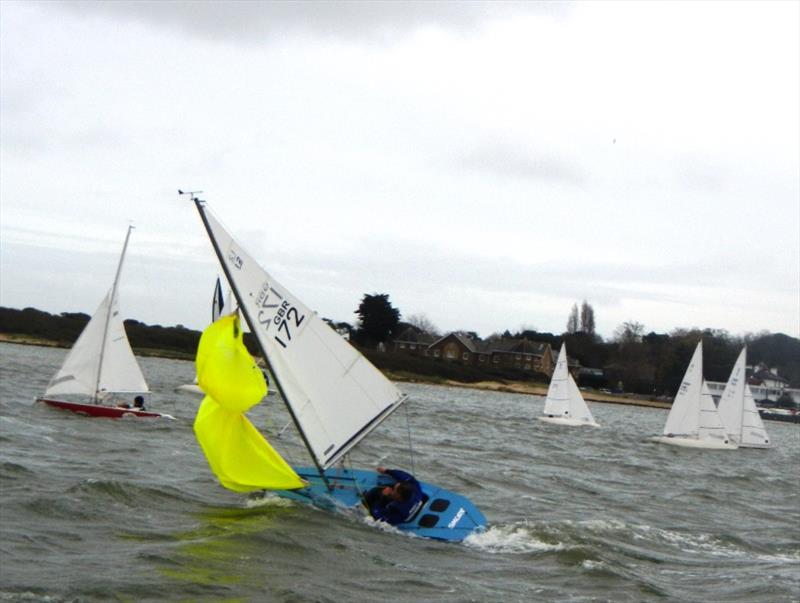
[
  {"x": 95, "y": 398},
  {"x": 199, "y": 203}
]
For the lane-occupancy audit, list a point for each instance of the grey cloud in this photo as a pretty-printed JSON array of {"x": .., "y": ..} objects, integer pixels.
[
  {"x": 450, "y": 286},
  {"x": 159, "y": 274},
  {"x": 255, "y": 21},
  {"x": 603, "y": 282}
]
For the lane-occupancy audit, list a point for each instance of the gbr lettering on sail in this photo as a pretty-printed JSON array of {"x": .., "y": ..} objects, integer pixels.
[
  {"x": 279, "y": 317},
  {"x": 275, "y": 312}
]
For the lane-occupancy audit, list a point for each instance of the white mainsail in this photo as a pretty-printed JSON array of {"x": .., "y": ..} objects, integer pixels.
[
  {"x": 738, "y": 409},
  {"x": 684, "y": 416},
  {"x": 101, "y": 361},
  {"x": 564, "y": 399},
  {"x": 335, "y": 395},
  {"x": 693, "y": 414}
]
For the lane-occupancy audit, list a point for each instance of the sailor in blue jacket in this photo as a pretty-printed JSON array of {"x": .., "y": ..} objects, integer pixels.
[{"x": 397, "y": 503}]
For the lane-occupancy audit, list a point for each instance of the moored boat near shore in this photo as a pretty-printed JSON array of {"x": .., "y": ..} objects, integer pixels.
[{"x": 787, "y": 415}]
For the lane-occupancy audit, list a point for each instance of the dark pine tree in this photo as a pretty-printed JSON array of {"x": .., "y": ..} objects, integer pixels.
[{"x": 378, "y": 320}]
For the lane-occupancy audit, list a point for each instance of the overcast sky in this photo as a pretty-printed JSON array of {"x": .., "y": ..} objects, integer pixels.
[{"x": 487, "y": 165}]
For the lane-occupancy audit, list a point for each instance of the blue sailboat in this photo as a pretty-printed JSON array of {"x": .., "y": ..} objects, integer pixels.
[{"x": 334, "y": 396}]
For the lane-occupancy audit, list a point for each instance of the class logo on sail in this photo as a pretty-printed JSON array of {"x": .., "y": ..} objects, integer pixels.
[{"x": 235, "y": 259}]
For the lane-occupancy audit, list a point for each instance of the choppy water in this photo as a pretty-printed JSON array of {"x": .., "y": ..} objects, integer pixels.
[{"x": 98, "y": 510}]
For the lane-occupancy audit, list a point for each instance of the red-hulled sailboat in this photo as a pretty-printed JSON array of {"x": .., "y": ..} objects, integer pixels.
[{"x": 101, "y": 366}]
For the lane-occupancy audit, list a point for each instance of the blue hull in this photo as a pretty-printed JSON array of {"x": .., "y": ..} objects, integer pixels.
[{"x": 445, "y": 515}]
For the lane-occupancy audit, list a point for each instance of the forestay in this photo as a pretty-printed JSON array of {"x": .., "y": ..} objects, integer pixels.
[{"x": 334, "y": 394}]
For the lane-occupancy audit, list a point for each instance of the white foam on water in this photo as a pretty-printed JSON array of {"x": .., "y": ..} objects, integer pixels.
[
  {"x": 601, "y": 525},
  {"x": 269, "y": 500},
  {"x": 693, "y": 543},
  {"x": 382, "y": 525},
  {"x": 512, "y": 538},
  {"x": 706, "y": 544},
  {"x": 28, "y": 596}
]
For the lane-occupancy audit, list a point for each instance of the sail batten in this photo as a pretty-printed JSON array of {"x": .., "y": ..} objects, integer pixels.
[{"x": 335, "y": 396}]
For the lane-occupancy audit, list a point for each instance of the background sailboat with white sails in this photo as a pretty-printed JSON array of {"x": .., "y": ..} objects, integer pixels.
[
  {"x": 218, "y": 301},
  {"x": 738, "y": 411},
  {"x": 693, "y": 420},
  {"x": 565, "y": 404},
  {"x": 334, "y": 395},
  {"x": 101, "y": 364},
  {"x": 218, "y": 306}
]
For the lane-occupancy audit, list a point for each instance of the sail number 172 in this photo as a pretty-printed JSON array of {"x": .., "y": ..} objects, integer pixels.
[{"x": 286, "y": 319}]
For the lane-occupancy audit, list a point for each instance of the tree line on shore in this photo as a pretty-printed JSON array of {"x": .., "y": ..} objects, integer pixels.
[
  {"x": 63, "y": 329},
  {"x": 651, "y": 363},
  {"x": 633, "y": 360}
]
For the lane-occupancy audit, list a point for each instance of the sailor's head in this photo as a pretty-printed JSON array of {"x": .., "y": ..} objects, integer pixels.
[
  {"x": 138, "y": 401},
  {"x": 401, "y": 491}
]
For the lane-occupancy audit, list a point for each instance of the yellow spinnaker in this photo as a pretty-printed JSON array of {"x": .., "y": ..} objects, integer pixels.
[{"x": 238, "y": 454}]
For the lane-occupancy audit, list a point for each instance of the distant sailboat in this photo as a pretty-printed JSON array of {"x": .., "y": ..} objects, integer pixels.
[
  {"x": 217, "y": 302},
  {"x": 334, "y": 395},
  {"x": 219, "y": 305},
  {"x": 101, "y": 364},
  {"x": 738, "y": 410},
  {"x": 693, "y": 420},
  {"x": 565, "y": 404}
]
